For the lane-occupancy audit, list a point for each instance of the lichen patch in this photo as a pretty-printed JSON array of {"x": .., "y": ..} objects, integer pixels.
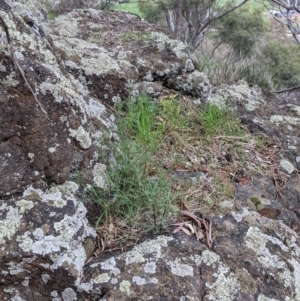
[
  {"x": 10, "y": 224},
  {"x": 102, "y": 278},
  {"x": 81, "y": 136}
]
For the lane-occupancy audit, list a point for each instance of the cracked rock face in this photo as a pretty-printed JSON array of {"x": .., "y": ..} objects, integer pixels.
[{"x": 45, "y": 241}]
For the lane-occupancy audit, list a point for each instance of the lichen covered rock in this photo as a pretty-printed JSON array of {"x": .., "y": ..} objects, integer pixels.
[
  {"x": 45, "y": 242},
  {"x": 250, "y": 257},
  {"x": 112, "y": 52},
  {"x": 45, "y": 113}
]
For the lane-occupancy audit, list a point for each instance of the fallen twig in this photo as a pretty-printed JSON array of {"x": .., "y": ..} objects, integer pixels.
[{"x": 200, "y": 222}]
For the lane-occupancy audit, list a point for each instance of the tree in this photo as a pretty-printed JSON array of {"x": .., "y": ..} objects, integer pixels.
[
  {"x": 241, "y": 30},
  {"x": 187, "y": 20},
  {"x": 289, "y": 14}
]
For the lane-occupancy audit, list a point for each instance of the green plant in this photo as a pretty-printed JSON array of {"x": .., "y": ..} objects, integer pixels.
[
  {"x": 171, "y": 113},
  {"x": 241, "y": 30},
  {"x": 223, "y": 67},
  {"x": 218, "y": 120},
  {"x": 77, "y": 176},
  {"x": 139, "y": 122},
  {"x": 138, "y": 188},
  {"x": 284, "y": 62},
  {"x": 205, "y": 63},
  {"x": 130, "y": 6}
]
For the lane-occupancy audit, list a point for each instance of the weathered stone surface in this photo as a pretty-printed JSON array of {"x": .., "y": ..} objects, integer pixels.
[
  {"x": 251, "y": 256},
  {"x": 238, "y": 94},
  {"x": 112, "y": 52},
  {"x": 45, "y": 241},
  {"x": 45, "y": 130}
]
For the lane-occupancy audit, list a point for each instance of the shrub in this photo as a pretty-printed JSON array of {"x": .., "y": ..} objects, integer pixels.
[
  {"x": 284, "y": 62},
  {"x": 241, "y": 30},
  {"x": 226, "y": 69}
]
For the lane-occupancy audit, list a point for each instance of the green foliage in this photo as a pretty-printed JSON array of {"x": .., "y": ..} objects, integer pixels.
[
  {"x": 284, "y": 61},
  {"x": 131, "y": 7},
  {"x": 139, "y": 122},
  {"x": 170, "y": 112},
  {"x": 52, "y": 15},
  {"x": 138, "y": 189},
  {"x": 205, "y": 64},
  {"x": 151, "y": 11},
  {"x": 221, "y": 121},
  {"x": 241, "y": 30}
]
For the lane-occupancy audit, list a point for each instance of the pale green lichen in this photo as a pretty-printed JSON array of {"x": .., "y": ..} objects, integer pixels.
[
  {"x": 99, "y": 173},
  {"x": 265, "y": 298},
  {"x": 108, "y": 264},
  {"x": 24, "y": 205},
  {"x": 287, "y": 166},
  {"x": 125, "y": 287},
  {"x": 250, "y": 97},
  {"x": 225, "y": 288},
  {"x": 10, "y": 224},
  {"x": 238, "y": 216},
  {"x": 30, "y": 155},
  {"x": 210, "y": 258},
  {"x": 99, "y": 65},
  {"x": 136, "y": 255},
  {"x": 162, "y": 41},
  {"x": 51, "y": 149},
  {"x": 150, "y": 267},
  {"x": 181, "y": 270},
  {"x": 25, "y": 242},
  {"x": 138, "y": 280},
  {"x": 69, "y": 188},
  {"x": 67, "y": 27},
  {"x": 10, "y": 80},
  {"x": 102, "y": 278},
  {"x": 256, "y": 241},
  {"x": 284, "y": 120},
  {"x": 81, "y": 136},
  {"x": 60, "y": 203},
  {"x": 296, "y": 273}
]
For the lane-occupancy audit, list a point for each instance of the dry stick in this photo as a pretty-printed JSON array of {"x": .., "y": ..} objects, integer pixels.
[
  {"x": 287, "y": 90},
  {"x": 199, "y": 222},
  {"x": 15, "y": 61},
  {"x": 25, "y": 79}
]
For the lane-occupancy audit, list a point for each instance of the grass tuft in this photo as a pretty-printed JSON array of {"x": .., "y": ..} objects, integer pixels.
[
  {"x": 139, "y": 189},
  {"x": 220, "y": 121}
]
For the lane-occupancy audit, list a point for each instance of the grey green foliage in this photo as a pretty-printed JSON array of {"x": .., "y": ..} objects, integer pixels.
[
  {"x": 284, "y": 62},
  {"x": 241, "y": 30},
  {"x": 216, "y": 120},
  {"x": 138, "y": 188}
]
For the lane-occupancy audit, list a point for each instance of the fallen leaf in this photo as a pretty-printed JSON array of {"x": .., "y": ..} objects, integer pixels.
[
  {"x": 190, "y": 227},
  {"x": 186, "y": 231}
]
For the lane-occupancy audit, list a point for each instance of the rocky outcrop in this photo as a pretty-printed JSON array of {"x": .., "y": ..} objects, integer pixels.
[
  {"x": 59, "y": 80},
  {"x": 253, "y": 258},
  {"x": 56, "y": 79},
  {"x": 45, "y": 242}
]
